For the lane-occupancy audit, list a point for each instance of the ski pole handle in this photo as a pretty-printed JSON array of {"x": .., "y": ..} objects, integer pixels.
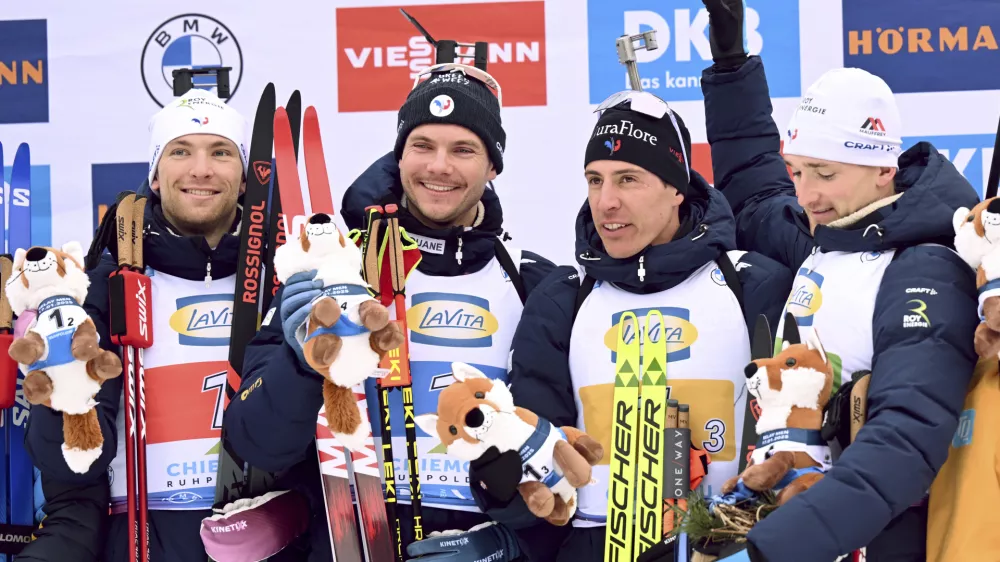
[
  {"x": 123, "y": 228},
  {"x": 397, "y": 269},
  {"x": 138, "y": 220},
  {"x": 859, "y": 402},
  {"x": 370, "y": 247}
]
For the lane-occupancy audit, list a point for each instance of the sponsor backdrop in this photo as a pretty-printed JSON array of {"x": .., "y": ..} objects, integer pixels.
[{"x": 79, "y": 81}]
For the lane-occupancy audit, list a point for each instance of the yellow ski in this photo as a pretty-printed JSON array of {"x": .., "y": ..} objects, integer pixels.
[
  {"x": 652, "y": 409},
  {"x": 624, "y": 443}
]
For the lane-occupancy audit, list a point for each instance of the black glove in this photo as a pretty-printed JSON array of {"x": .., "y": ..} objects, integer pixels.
[
  {"x": 488, "y": 541},
  {"x": 498, "y": 474},
  {"x": 725, "y": 20}
]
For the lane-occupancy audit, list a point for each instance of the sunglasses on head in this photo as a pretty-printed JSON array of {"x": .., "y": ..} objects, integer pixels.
[
  {"x": 466, "y": 70},
  {"x": 646, "y": 104}
]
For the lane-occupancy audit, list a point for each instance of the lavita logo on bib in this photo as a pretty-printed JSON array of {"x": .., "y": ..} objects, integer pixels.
[
  {"x": 451, "y": 320},
  {"x": 677, "y": 328},
  {"x": 203, "y": 320},
  {"x": 806, "y": 297}
]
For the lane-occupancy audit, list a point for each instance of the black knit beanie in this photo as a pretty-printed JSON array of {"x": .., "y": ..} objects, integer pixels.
[
  {"x": 455, "y": 99},
  {"x": 648, "y": 142}
]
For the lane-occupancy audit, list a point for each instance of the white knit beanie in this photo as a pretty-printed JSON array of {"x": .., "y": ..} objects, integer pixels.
[
  {"x": 196, "y": 112},
  {"x": 849, "y": 116}
]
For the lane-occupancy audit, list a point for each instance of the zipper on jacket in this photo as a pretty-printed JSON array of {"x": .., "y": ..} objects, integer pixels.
[
  {"x": 458, "y": 253},
  {"x": 208, "y": 272},
  {"x": 642, "y": 270}
]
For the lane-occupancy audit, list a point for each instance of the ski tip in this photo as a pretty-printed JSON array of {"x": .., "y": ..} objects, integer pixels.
[{"x": 311, "y": 112}]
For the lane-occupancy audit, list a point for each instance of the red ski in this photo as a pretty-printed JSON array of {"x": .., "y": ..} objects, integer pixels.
[{"x": 335, "y": 466}]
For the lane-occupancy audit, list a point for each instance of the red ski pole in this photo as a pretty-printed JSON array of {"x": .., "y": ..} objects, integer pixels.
[
  {"x": 131, "y": 327},
  {"x": 8, "y": 368}
]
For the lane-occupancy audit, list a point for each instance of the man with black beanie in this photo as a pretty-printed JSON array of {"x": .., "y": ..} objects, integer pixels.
[
  {"x": 449, "y": 147},
  {"x": 652, "y": 235}
]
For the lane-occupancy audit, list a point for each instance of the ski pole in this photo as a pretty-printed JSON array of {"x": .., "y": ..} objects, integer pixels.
[
  {"x": 684, "y": 425},
  {"x": 400, "y": 360},
  {"x": 145, "y": 328},
  {"x": 131, "y": 327},
  {"x": 123, "y": 222},
  {"x": 8, "y": 368},
  {"x": 371, "y": 270}
]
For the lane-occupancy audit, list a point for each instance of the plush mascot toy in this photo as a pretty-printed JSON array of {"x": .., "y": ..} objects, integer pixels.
[
  {"x": 791, "y": 455},
  {"x": 792, "y": 389},
  {"x": 476, "y": 413},
  {"x": 977, "y": 240},
  {"x": 59, "y": 350},
  {"x": 347, "y": 331}
]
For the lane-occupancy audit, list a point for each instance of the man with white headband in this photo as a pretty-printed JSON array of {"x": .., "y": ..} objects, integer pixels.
[
  {"x": 866, "y": 226},
  {"x": 197, "y": 170}
]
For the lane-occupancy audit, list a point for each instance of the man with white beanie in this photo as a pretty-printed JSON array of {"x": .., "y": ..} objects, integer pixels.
[
  {"x": 197, "y": 169},
  {"x": 867, "y": 227}
]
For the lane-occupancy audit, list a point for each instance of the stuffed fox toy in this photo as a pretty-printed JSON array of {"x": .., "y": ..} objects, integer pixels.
[
  {"x": 347, "y": 331},
  {"x": 476, "y": 413},
  {"x": 792, "y": 389},
  {"x": 977, "y": 241},
  {"x": 59, "y": 351}
]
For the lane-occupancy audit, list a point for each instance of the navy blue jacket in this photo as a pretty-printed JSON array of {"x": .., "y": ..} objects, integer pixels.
[
  {"x": 173, "y": 534},
  {"x": 540, "y": 377},
  {"x": 919, "y": 377},
  {"x": 273, "y": 424}
]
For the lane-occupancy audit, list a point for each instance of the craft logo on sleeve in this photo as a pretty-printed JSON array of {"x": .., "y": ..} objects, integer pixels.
[
  {"x": 108, "y": 180},
  {"x": 39, "y": 198},
  {"x": 970, "y": 154},
  {"x": 189, "y": 41},
  {"x": 673, "y": 70},
  {"x": 380, "y": 53},
  {"x": 925, "y": 45},
  {"x": 24, "y": 71}
]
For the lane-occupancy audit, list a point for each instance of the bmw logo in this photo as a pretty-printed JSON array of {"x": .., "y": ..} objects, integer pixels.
[{"x": 189, "y": 41}]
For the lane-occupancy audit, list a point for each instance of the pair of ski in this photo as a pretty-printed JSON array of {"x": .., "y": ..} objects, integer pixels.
[
  {"x": 278, "y": 128},
  {"x": 638, "y": 433},
  {"x": 17, "y": 511},
  {"x": 131, "y": 327},
  {"x": 256, "y": 284},
  {"x": 343, "y": 470},
  {"x": 638, "y": 438}
]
